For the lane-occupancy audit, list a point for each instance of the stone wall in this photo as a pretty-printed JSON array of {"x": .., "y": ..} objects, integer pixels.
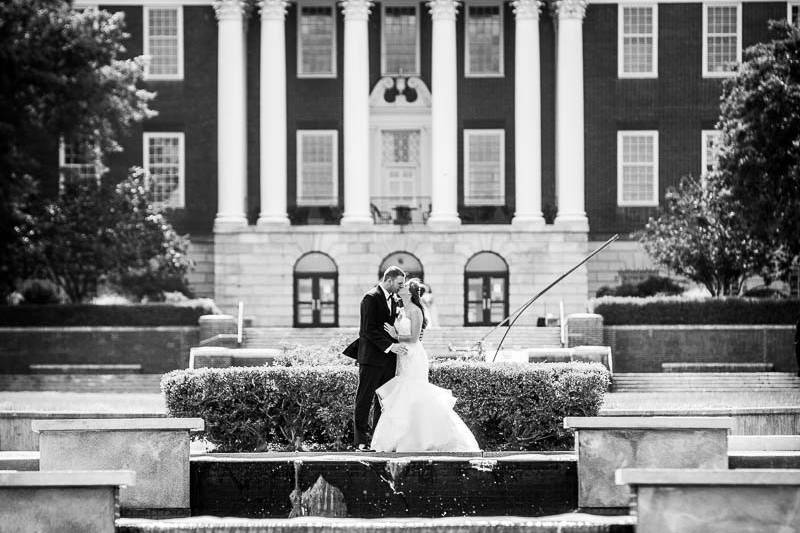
[
  {"x": 157, "y": 349},
  {"x": 201, "y": 277},
  {"x": 256, "y": 266},
  {"x": 644, "y": 348}
]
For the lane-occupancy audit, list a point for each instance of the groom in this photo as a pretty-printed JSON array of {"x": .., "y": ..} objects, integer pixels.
[{"x": 377, "y": 351}]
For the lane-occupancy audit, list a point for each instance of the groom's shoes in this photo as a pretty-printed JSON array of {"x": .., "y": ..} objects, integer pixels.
[{"x": 364, "y": 448}]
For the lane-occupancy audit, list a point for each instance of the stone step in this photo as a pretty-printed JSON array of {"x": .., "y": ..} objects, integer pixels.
[
  {"x": 81, "y": 382},
  {"x": 717, "y": 367},
  {"x": 705, "y": 382},
  {"x": 85, "y": 369},
  {"x": 564, "y": 523}
]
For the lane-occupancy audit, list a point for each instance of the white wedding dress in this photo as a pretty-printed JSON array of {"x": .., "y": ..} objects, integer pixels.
[{"x": 416, "y": 415}]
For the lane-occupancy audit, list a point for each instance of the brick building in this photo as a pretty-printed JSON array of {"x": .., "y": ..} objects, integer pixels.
[{"x": 485, "y": 145}]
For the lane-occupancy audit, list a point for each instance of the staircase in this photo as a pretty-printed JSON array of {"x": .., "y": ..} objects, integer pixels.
[
  {"x": 436, "y": 339},
  {"x": 88, "y": 382},
  {"x": 705, "y": 382}
]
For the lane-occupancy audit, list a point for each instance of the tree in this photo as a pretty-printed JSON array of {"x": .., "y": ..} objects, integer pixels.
[
  {"x": 60, "y": 76},
  {"x": 760, "y": 152},
  {"x": 700, "y": 235},
  {"x": 96, "y": 230}
]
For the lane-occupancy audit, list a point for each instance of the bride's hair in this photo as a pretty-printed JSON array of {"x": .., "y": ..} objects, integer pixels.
[{"x": 417, "y": 289}]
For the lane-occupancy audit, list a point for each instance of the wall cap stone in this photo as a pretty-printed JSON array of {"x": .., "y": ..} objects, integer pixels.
[
  {"x": 648, "y": 422},
  {"x": 67, "y": 478},
  {"x": 681, "y": 476},
  {"x": 708, "y": 411},
  {"x": 60, "y": 415},
  {"x": 119, "y": 424}
]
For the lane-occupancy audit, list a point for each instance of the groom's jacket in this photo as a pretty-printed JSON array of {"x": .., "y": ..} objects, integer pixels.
[{"x": 372, "y": 338}]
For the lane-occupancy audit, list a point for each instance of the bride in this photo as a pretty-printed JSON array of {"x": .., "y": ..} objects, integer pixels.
[{"x": 417, "y": 416}]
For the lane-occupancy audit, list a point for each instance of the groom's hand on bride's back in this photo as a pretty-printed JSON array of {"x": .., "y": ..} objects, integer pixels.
[{"x": 398, "y": 349}]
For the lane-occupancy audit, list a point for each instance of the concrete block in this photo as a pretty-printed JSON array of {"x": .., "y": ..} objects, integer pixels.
[
  {"x": 723, "y": 501},
  {"x": 156, "y": 449},
  {"x": 60, "y": 502},
  {"x": 605, "y": 444}
]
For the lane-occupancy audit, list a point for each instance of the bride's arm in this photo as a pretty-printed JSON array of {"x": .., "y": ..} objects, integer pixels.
[{"x": 416, "y": 325}]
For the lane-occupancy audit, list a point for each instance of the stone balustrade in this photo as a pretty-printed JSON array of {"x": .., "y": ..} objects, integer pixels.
[
  {"x": 157, "y": 449},
  {"x": 605, "y": 444},
  {"x": 84, "y": 501},
  {"x": 717, "y": 501}
]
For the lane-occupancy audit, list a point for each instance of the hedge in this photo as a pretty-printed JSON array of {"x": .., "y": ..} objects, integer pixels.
[
  {"x": 676, "y": 310},
  {"x": 64, "y": 315},
  {"x": 508, "y": 406}
]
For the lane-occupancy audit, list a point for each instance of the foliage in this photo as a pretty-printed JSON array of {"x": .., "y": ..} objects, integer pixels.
[
  {"x": 40, "y": 291},
  {"x": 700, "y": 235},
  {"x": 60, "y": 76},
  {"x": 650, "y": 287},
  {"x": 97, "y": 229},
  {"x": 330, "y": 354},
  {"x": 760, "y": 154},
  {"x": 508, "y": 406},
  {"x": 679, "y": 310},
  {"x": 65, "y": 315}
]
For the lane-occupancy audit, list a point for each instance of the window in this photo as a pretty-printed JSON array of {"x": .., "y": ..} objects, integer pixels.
[
  {"x": 79, "y": 161},
  {"x": 316, "y": 291},
  {"x": 637, "y": 168},
  {"x": 484, "y": 167},
  {"x": 410, "y": 264},
  {"x": 793, "y": 13},
  {"x": 317, "y": 167},
  {"x": 638, "y": 41},
  {"x": 316, "y": 47},
  {"x": 400, "y": 40},
  {"x": 163, "y": 43},
  {"x": 164, "y": 163},
  {"x": 484, "y": 35},
  {"x": 710, "y": 150},
  {"x": 722, "y": 43}
]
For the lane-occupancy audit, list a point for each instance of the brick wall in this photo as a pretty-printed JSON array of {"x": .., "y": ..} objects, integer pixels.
[{"x": 201, "y": 277}]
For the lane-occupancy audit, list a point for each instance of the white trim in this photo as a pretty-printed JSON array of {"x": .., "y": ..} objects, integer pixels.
[
  {"x": 146, "y": 50},
  {"x": 467, "y": 73},
  {"x": 334, "y": 22},
  {"x": 703, "y": 156},
  {"x": 475, "y": 131},
  {"x": 620, "y": 40},
  {"x": 417, "y": 68},
  {"x": 637, "y": 203},
  {"x": 738, "y": 6},
  {"x": 334, "y": 200},
  {"x": 146, "y": 136},
  {"x": 789, "y": 6}
]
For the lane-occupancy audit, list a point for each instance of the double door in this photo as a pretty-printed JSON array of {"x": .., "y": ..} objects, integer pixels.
[
  {"x": 316, "y": 300},
  {"x": 485, "y": 298}
]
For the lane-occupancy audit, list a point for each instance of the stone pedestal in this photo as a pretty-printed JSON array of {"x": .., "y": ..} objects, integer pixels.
[
  {"x": 693, "y": 501},
  {"x": 50, "y": 502},
  {"x": 584, "y": 329},
  {"x": 156, "y": 449},
  {"x": 605, "y": 444}
]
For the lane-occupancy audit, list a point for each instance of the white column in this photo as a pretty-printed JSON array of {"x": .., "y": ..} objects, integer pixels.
[
  {"x": 569, "y": 113},
  {"x": 527, "y": 114},
  {"x": 356, "y": 112},
  {"x": 272, "y": 98},
  {"x": 231, "y": 116},
  {"x": 444, "y": 114}
]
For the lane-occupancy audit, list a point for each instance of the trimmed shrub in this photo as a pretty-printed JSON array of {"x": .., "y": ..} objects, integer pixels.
[
  {"x": 508, "y": 406},
  {"x": 63, "y": 315},
  {"x": 650, "y": 287},
  {"x": 677, "y": 310}
]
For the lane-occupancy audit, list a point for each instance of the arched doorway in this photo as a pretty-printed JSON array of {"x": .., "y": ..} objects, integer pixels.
[
  {"x": 316, "y": 291},
  {"x": 485, "y": 289},
  {"x": 410, "y": 264}
]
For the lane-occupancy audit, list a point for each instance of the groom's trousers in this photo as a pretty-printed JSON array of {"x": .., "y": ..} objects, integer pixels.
[{"x": 369, "y": 378}]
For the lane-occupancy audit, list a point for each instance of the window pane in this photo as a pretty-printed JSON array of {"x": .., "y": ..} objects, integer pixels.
[
  {"x": 163, "y": 41},
  {"x": 400, "y": 39},
  {"x": 637, "y": 39},
  {"x": 80, "y": 161},
  {"x": 638, "y": 168},
  {"x": 164, "y": 169},
  {"x": 485, "y": 172},
  {"x": 722, "y": 38},
  {"x": 484, "y": 32},
  {"x": 317, "y": 173},
  {"x": 316, "y": 40}
]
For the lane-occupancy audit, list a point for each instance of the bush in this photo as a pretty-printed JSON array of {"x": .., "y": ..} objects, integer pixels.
[
  {"x": 677, "y": 310},
  {"x": 507, "y": 406},
  {"x": 650, "y": 287},
  {"x": 65, "y": 315},
  {"x": 330, "y": 354},
  {"x": 40, "y": 291}
]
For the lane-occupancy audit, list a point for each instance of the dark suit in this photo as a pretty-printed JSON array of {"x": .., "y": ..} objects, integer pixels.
[{"x": 375, "y": 366}]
